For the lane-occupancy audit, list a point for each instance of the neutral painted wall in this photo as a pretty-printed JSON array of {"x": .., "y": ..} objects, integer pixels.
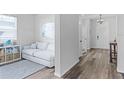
[
  {"x": 40, "y": 20},
  {"x": 57, "y": 46},
  {"x": 25, "y": 28},
  {"x": 120, "y": 40},
  {"x": 92, "y": 34},
  {"x": 68, "y": 40},
  {"x": 112, "y": 30},
  {"x": 29, "y": 26}
]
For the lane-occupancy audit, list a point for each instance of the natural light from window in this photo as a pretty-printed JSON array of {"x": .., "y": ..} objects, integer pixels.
[{"x": 8, "y": 27}]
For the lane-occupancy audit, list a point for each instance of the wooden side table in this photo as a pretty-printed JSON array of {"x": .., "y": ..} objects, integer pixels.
[{"x": 113, "y": 52}]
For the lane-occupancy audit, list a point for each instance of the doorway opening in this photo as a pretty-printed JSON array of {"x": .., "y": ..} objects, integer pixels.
[{"x": 93, "y": 35}]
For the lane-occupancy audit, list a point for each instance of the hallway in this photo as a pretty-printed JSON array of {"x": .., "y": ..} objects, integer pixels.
[{"x": 95, "y": 65}]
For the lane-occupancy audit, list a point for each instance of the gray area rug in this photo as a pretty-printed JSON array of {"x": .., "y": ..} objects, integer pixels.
[{"x": 19, "y": 70}]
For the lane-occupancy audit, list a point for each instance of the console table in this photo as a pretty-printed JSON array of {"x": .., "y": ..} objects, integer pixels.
[
  {"x": 10, "y": 54},
  {"x": 113, "y": 52}
]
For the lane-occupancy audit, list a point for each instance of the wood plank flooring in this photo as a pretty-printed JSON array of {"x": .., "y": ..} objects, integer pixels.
[
  {"x": 95, "y": 65},
  {"x": 46, "y": 73}
]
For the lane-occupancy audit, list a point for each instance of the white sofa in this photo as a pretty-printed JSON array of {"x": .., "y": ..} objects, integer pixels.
[{"x": 40, "y": 52}]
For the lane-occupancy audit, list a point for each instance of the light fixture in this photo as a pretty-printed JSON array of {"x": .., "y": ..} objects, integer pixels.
[{"x": 100, "y": 20}]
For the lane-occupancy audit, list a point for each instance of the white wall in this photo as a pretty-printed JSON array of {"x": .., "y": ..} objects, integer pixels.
[
  {"x": 120, "y": 40},
  {"x": 92, "y": 33},
  {"x": 25, "y": 28},
  {"x": 67, "y": 39},
  {"x": 112, "y": 30},
  {"x": 29, "y": 26},
  {"x": 57, "y": 46},
  {"x": 40, "y": 20}
]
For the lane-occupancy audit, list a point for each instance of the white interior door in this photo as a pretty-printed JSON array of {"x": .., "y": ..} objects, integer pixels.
[
  {"x": 84, "y": 27},
  {"x": 84, "y": 36},
  {"x": 102, "y": 35}
]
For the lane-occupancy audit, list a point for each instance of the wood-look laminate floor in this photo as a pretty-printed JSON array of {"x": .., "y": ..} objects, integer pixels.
[
  {"x": 95, "y": 65},
  {"x": 46, "y": 73}
]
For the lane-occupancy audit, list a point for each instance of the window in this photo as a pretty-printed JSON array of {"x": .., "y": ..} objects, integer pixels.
[{"x": 8, "y": 27}]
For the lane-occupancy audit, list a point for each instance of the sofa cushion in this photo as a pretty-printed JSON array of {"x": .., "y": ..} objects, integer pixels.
[
  {"x": 33, "y": 46},
  {"x": 46, "y": 55},
  {"x": 42, "y": 45},
  {"x": 30, "y": 51}
]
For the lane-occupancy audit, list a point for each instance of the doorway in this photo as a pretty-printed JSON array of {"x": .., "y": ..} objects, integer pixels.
[
  {"x": 102, "y": 35},
  {"x": 96, "y": 36},
  {"x": 84, "y": 36}
]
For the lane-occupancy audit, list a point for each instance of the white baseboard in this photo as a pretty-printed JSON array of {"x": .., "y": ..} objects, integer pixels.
[
  {"x": 70, "y": 67},
  {"x": 57, "y": 75},
  {"x": 120, "y": 71},
  {"x": 60, "y": 75}
]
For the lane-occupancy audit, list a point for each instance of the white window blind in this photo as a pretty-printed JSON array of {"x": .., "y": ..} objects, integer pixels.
[{"x": 8, "y": 27}]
